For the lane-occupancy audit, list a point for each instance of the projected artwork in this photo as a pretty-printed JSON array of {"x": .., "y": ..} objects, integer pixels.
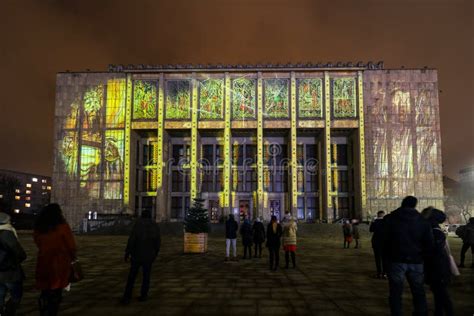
[
  {"x": 90, "y": 161},
  {"x": 113, "y": 154},
  {"x": 276, "y": 98},
  {"x": 243, "y": 98},
  {"x": 178, "y": 99},
  {"x": 144, "y": 99},
  {"x": 69, "y": 152},
  {"x": 115, "y": 105},
  {"x": 93, "y": 102},
  {"x": 72, "y": 117},
  {"x": 344, "y": 97},
  {"x": 310, "y": 98},
  {"x": 112, "y": 190},
  {"x": 211, "y": 99}
]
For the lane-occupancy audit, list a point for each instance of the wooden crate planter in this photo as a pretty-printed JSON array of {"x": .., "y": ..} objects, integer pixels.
[{"x": 195, "y": 243}]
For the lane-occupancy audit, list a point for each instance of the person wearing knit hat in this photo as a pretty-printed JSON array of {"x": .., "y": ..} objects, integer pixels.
[{"x": 11, "y": 272}]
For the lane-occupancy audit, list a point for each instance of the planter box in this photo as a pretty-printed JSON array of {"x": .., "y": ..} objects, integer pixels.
[{"x": 195, "y": 243}]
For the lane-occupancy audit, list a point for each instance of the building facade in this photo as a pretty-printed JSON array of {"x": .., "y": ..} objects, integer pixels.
[
  {"x": 322, "y": 141},
  {"x": 23, "y": 193}
]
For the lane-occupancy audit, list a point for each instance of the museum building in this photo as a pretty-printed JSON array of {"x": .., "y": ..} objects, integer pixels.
[{"x": 323, "y": 141}]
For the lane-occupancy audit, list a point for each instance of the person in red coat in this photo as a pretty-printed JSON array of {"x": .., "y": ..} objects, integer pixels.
[{"x": 56, "y": 251}]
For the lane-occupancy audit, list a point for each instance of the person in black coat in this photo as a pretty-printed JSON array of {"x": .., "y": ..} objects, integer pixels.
[
  {"x": 11, "y": 272},
  {"x": 247, "y": 237},
  {"x": 437, "y": 264},
  {"x": 143, "y": 247},
  {"x": 258, "y": 236},
  {"x": 377, "y": 230},
  {"x": 407, "y": 238},
  {"x": 274, "y": 233},
  {"x": 231, "y": 228}
]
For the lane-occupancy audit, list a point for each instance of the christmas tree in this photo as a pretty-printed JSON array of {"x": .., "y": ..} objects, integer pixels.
[{"x": 197, "y": 218}]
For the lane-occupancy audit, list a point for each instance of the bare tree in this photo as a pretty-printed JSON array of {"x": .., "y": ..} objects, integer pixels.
[{"x": 461, "y": 200}]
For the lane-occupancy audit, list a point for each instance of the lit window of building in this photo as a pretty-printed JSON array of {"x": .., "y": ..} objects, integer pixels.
[
  {"x": 43, "y": 187},
  {"x": 17, "y": 191},
  {"x": 27, "y": 204},
  {"x": 1, "y": 196},
  {"x": 48, "y": 187},
  {"x": 43, "y": 181},
  {"x": 28, "y": 192},
  {"x": 34, "y": 179},
  {"x": 17, "y": 197},
  {"x": 17, "y": 211},
  {"x": 28, "y": 198},
  {"x": 28, "y": 185}
]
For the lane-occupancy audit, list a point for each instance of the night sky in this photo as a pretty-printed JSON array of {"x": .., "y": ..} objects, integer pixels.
[{"x": 40, "y": 38}]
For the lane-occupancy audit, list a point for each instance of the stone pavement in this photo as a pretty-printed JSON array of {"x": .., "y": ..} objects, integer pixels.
[{"x": 328, "y": 280}]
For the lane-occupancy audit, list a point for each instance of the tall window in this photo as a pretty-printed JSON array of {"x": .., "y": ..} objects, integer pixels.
[
  {"x": 212, "y": 168},
  {"x": 179, "y": 180},
  {"x": 244, "y": 168},
  {"x": 276, "y": 167}
]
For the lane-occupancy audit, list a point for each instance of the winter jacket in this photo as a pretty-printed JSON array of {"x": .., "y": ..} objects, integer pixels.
[
  {"x": 377, "y": 228},
  {"x": 258, "y": 232},
  {"x": 468, "y": 237},
  {"x": 437, "y": 265},
  {"x": 231, "y": 228},
  {"x": 56, "y": 251},
  {"x": 273, "y": 238},
  {"x": 289, "y": 233},
  {"x": 144, "y": 241},
  {"x": 247, "y": 234},
  {"x": 347, "y": 230},
  {"x": 408, "y": 236},
  {"x": 11, "y": 257}
]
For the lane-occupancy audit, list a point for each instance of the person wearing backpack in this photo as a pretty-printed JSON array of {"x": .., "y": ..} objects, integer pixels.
[
  {"x": 466, "y": 233},
  {"x": 11, "y": 272}
]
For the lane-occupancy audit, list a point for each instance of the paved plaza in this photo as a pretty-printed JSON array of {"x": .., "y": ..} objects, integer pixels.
[{"x": 329, "y": 280}]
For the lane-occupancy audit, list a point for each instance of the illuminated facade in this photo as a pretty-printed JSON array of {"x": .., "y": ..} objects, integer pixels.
[{"x": 322, "y": 141}]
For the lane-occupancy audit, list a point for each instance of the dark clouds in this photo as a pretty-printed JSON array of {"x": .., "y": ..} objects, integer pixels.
[{"x": 40, "y": 38}]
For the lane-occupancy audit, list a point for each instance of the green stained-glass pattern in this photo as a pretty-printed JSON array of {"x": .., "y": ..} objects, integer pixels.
[
  {"x": 93, "y": 102},
  {"x": 211, "y": 98},
  {"x": 310, "y": 100},
  {"x": 243, "y": 98},
  {"x": 344, "y": 97},
  {"x": 144, "y": 100},
  {"x": 115, "y": 105},
  {"x": 276, "y": 98},
  {"x": 178, "y": 99},
  {"x": 90, "y": 161}
]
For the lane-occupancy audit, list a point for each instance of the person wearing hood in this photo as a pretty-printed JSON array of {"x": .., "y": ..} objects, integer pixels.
[
  {"x": 437, "y": 264},
  {"x": 258, "y": 237},
  {"x": 247, "y": 237},
  {"x": 11, "y": 272},
  {"x": 408, "y": 238},
  {"x": 274, "y": 232},
  {"x": 142, "y": 248},
  {"x": 377, "y": 228}
]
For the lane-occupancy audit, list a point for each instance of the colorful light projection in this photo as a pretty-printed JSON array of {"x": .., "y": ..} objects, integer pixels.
[
  {"x": 178, "y": 99},
  {"x": 92, "y": 106},
  {"x": 310, "y": 98},
  {"x": 113, "y": 154},
  {"x": 276, "y": 98},
  {"x": 211, "y": 98},
  {"x": 69, "y": 152},
  {"x": 344, "y": 97},
  {"x": 115, "y": 105},
  {"x": 144, "y": 100},
  {"x": 95, "y": 155},
  {"x": 243, "y": 98}
]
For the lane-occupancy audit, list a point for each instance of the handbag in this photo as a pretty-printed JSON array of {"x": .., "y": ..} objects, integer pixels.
[{"x": 76, "y": 272}]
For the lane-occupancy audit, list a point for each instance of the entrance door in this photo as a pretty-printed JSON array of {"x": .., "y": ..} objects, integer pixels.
[
  {"x": 244, "y": 210},
  {"x": 275, "y": 208}
]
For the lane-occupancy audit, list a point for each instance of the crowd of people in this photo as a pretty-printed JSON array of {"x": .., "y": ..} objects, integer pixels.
[
  {"x": 255, "y": 233},
  {"x": 407, "y": 245}
]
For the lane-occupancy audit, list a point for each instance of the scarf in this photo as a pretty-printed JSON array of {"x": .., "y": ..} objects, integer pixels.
[{"x": 9, "y": 227}]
